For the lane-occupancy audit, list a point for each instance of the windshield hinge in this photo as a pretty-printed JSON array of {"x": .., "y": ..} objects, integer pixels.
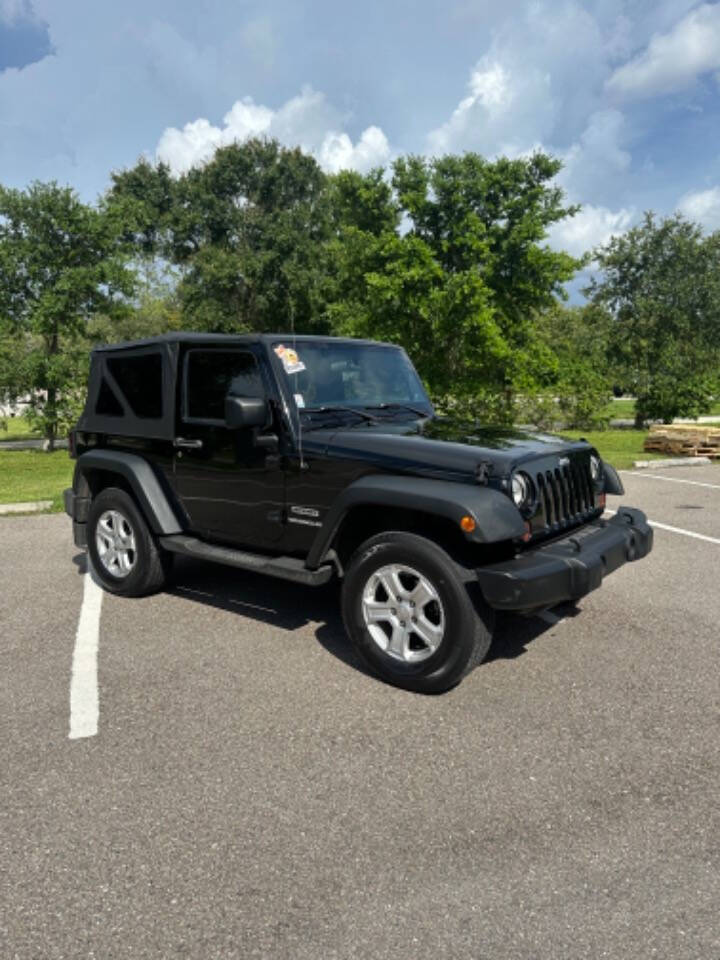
[{"x": 483, "y": 471}]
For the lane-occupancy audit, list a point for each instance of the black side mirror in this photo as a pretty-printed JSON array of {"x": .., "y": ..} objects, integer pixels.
[{"x": 246, "y": 412}]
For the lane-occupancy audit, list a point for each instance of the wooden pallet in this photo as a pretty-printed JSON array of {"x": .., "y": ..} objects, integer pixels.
[{"x": 684, "y": 440}]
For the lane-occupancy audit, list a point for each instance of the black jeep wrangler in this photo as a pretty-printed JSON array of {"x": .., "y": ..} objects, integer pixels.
[{"x": 309, "y": 458}]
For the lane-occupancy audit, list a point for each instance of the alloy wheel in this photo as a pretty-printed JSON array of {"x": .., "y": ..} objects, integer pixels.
[
  {"x": 115, "y": 542},
  {"x": 403, "y": 613}
]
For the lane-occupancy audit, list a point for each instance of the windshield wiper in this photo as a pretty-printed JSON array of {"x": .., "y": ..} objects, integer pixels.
[
  {"x": 340, "y": 408},
  {"x": 401, "y": 406}
]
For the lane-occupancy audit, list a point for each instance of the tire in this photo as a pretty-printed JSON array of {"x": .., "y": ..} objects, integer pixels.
[
  {"x": 125, "y": 557},
  {"x": 449, "y": 635}
]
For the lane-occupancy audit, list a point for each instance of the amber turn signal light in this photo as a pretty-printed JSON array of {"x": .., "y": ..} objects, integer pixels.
[{"x": 467, "y": 523}]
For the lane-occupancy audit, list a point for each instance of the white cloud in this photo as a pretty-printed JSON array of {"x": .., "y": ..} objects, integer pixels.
[
  {"x": 597, "y": 157},
  {"x": 510, "y": 110},
  {"x": 306, "y": 120},
  {"x": 501, "y": 103},
  {"x": 490, "y": 94},
  {"x": 525, "y": 89},
  {"x": 703, "y": 206},
  {"x": 490, "y": 87},
  {"x": 591, "y": 227},
  {"x": 338, "y": 153},
  {"x": 672, "y": 60}
]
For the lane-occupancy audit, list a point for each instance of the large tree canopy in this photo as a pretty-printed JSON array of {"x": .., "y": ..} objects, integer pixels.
[
  {"x": 452, "y": 263},
  {"x": 661, "y": 283},
  {"x": 445, "y": 256},
  {"x": 246, "y": 230},
  {"x": 60, "y": 264}
]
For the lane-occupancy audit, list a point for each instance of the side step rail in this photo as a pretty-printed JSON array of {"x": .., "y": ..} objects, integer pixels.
[{"x": 286, "y": 568}]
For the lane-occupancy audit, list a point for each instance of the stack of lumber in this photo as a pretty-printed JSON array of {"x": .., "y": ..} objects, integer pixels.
[{"x": 684, "y": 440}]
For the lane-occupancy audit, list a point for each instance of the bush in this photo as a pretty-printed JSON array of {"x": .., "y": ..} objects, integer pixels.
[{"x": 670, "y": 396}]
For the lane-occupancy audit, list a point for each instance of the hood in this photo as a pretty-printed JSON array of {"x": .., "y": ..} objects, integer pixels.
[{"x": 443, "y": 447}]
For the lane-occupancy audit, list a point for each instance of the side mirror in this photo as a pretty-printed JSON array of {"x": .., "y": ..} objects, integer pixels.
[{"x": 245, "y": 412}]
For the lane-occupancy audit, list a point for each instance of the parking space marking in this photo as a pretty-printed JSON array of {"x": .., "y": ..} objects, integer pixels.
[
  {"x": 694, "y": 483},
  {"x": 685, "y": 533},
  {"x": 84, "y": 706},
  {"x": 549, "y": 617}
]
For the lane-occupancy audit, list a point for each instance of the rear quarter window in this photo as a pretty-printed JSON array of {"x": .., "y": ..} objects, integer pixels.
[
  {"x": 139, "y": 378},
  {"x": 107, "y": 404}
]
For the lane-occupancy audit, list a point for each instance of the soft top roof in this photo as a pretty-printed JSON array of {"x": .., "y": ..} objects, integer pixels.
[
  {"x": 219, "y": 338},
  {"x": 128, "y": 423}
]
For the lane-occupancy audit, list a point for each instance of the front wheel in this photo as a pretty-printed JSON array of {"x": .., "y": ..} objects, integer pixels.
[
  {"x": 409, "y": 614},
  {"x": 123, "y": 551}
]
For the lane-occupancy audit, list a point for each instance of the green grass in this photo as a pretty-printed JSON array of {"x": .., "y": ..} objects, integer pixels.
[
  {"x": 34, "y": 475},
  {"x": 622, "y": 408},
  {"x": 618, "y": 447},
  {"x": 18, "y": 428}
]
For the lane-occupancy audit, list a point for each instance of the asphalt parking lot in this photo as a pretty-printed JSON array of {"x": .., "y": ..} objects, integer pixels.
[{"x": 250, "y": 792}]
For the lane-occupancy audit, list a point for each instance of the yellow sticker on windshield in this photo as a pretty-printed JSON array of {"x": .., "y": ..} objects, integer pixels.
[{"x": 290, "y": 360}]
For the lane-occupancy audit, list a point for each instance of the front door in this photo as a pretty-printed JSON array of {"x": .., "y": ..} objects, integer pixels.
[{"x": 231, "y": 489}]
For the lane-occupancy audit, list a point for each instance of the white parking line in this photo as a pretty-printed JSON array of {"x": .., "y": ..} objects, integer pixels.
[
  {"x": 694, "y": 483},
  {"x": 549, "y": 617},
  {"x": 685, "y": 533},
  {"x": 84, "y": 707}
]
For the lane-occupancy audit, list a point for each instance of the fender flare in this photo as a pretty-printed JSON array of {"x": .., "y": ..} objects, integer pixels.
[
  {"x": 496, "y": 516},
  {"x": 612, "y": 484},
  {"x": 144, "y": 483}
]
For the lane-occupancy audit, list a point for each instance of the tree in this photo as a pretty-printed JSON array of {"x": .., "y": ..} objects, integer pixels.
[
  {"x": 577, "y": 391},
  {"x": 246, "y": 231},
  {"x": 60, "y": 262},
  {"x": 154, "y": 309},
  {"x": 446, "y": 256},
  {"x": 459, "y": 284},
  {"x": 661, "y": 283}
]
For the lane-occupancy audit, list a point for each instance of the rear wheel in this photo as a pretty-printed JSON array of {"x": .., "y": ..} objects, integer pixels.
[
  {"x": 124, "y": 554},
  {"x": 408, "y": 612}
]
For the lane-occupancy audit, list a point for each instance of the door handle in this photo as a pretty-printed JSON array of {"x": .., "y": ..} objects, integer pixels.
[{"x": 187, "y": 444}]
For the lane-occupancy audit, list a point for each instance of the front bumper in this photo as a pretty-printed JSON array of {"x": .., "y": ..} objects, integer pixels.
[
  {"x": 567, "y": 569},
  {"x": 77, "y": 509}
]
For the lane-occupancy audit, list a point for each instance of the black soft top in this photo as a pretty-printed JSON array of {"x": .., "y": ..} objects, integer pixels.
[
  {"x": 108, "y": 409},
  {"x": 232, "y": 338}
]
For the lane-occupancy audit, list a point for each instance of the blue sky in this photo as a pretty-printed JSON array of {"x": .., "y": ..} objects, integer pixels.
[{"x": 627, "y": 92}]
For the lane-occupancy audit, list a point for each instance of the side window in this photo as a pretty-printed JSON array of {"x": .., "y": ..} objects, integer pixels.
[
  {"x": 107, "y": 404},
  {"x": 140, "y": 379},
  {"x": 212, "y": 375}
]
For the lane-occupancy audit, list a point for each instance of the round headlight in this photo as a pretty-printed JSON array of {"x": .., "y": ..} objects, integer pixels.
[
  {"x": 595, "y": 467},
  {"x": 522, "y": 491}
]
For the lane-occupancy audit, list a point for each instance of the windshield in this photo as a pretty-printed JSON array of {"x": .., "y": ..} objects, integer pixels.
[{"x": 326, "y": 374}]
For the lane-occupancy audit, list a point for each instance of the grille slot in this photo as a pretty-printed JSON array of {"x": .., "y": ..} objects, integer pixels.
[{"x": 566, "y": 494}]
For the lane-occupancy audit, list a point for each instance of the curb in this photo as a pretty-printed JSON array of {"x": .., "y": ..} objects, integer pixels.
[
  {"x": 31, "y": 444},
  {"x": 673, "y": 462},
  {"x": 34, "y": 506}
]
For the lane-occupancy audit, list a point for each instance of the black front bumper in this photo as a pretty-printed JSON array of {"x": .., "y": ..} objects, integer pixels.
[
  {"x": 77, "y": 509},
  {"x": 567, "y": 569}
]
